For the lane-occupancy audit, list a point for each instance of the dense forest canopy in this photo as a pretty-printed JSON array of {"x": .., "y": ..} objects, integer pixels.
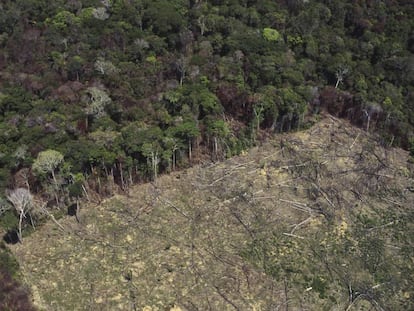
[{"x": 97, "y": 93}]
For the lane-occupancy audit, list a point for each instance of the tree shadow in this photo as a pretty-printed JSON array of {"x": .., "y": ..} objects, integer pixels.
[
  {"x": 11, "y": 237},
  {"x": 72, "y": 209}
]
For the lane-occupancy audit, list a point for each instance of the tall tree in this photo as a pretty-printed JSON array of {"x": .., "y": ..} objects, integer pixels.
[{"x": 47, "y": 163}]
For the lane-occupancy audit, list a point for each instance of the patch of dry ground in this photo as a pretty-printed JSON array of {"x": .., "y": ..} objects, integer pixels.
[{"x": 178, "y": 244}]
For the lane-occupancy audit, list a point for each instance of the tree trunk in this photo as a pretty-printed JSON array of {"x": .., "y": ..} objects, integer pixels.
[
  {"x": 112, "y": 180},
  {"x": 173, "y": 160},
  {"x": 20, "y": 227},
  {"x": 189, "y": 150},
  {"x": 56, "y": 188},
  {"x": 337, "y": 83},
  {"x": 99, "y": 185},
  {"x": 77, "y": 210},
  {"x": 31, "y": 221},
  {"x": 215, "y": 148},
  {"x": 86, "y": 192},
  {"x": 202, "y": 24},
  {"x": 155, "y": 166},
  {"x": 121, "y": 174},
  {"x": 131, "y": 180}
]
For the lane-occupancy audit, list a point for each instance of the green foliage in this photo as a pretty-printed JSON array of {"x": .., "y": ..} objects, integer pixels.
[
  {"x": 411, "y": 148},
  {"x": 164, "y": 17},
  {"x": 47, "y": 162},
  {"x": 7, "y": 262},
  {"x": 271, "y": 34},
  {"x": 185, "y": 130},
  {"x": 8, "y": 220},
  {"x": 15, "y": 99},
  {"x": 98, "y": 100},
  {"x": 291, "y": 101},
  {"x": 63, "y": 21},
  {"x": 75, "y": 187},
  {"x": 217, "y": 128}
]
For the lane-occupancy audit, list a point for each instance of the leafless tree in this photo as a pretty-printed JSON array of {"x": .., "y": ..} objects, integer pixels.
[
  {"x": 100, "y": 13},
  {"x": 22, "y": 201},
  {"x": 182, "y": 66},
  {"x": 258, "y": 116},
  {"x": 340, "y": 75},
  {"x": 104, "y": 67},
  {"x": 371, "y": 110},
  {"x": 201, "y": 22},
  {"x": 98, "y": 100}
]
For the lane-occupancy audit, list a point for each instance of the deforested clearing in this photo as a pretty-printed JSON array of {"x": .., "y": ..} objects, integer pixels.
[{"x": 315, "y": 220}]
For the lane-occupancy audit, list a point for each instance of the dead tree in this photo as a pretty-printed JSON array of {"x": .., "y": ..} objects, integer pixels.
[
  {"x": 22, "y": 201},
  {"x": 340, "y": 75}
]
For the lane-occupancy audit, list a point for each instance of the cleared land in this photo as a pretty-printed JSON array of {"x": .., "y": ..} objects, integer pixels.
[{"x": 285, "y": 226}]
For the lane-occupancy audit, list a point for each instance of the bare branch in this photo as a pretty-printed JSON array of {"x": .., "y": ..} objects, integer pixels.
[{"x": 22, "y": 201}]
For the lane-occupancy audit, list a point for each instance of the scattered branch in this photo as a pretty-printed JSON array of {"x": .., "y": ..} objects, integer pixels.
[
  {"x": 298, "y": 205},
  {"x": 353, "y": 143},
  {"x": 300, "y": 224},
  {"x": 45, "y": 211},
  {"x": 174, "y": 207},
  {"x": 293, "y": 235}
]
